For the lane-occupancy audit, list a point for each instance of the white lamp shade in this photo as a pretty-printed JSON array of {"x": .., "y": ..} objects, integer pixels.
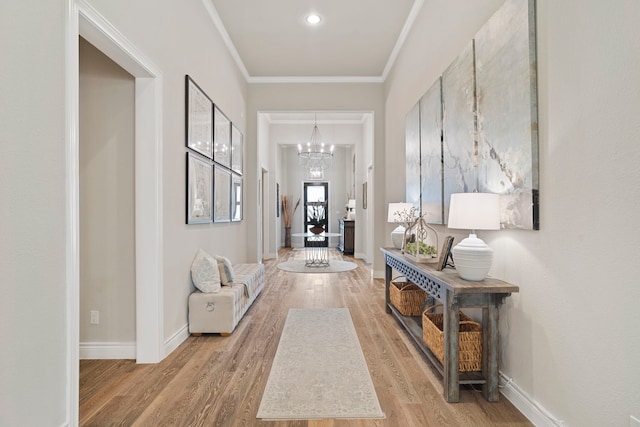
[
  {"x": 474, "y": 211},
  {"x": 395, "y": 209},
  {"x": 351, "y": 204}
]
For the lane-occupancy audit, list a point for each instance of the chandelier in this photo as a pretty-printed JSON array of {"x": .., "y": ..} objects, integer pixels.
[{"x": 313, "y": 157}]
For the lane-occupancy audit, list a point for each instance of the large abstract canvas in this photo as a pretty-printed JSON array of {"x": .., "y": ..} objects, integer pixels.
[
  {"x": 431, "y": 154},
  {"x": 412, "y": 153},
  {"x": 507, "y": 112},
  {"x": 459, "y": 148}
]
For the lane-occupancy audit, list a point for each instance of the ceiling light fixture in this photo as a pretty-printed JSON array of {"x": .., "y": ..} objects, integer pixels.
[
  {"x": 313, "y": 157},
  {"x": 313, "y": 19}
]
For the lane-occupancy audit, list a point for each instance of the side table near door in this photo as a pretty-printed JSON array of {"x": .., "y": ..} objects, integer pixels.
[{"x": 347, "y": 236}]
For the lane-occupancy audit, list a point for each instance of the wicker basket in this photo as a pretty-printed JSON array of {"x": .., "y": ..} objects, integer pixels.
[
  {"x": 406, "y": 297},
  {"x": 470, "y": 341}
]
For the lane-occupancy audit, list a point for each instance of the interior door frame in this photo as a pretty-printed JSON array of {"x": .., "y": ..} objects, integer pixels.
[{"x": 83, "y": 20}]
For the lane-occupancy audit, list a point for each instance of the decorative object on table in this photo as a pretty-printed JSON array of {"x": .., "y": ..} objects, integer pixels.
[
  {"x": 221, "y": 138},
  {"x": 314, "y": 157},
  {"x": 317, "y": 216},
  {"x": 406, "y": 297},
  {"x": 446, "y": 259},
  {"x": 287, "y": 216},
  {"x": 221, "y": 194},
  {"x": 469, "y": 339},
  {"x": 402, "y": 214},
  {"x": 199, "y": 119},
  {"x": 199, "y": 187},
  {"x": 474, "y": 211},
  {"x": 418, "y": 244}
]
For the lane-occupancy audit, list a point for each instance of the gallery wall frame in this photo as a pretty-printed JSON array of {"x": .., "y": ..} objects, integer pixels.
[
  {"x": 488, "y": 126},
  {"x": 236, "y": 198},
  {"x": 221, "y": 194},
  {"x": 221, "y": 138},
  {"x": 198, "y": 119},
  {"x": 199, "y": 189},
  {"x": 237, "y": 150}
]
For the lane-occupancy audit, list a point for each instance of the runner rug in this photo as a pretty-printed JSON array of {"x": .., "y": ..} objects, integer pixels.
[{"x": 319, "y": 370}]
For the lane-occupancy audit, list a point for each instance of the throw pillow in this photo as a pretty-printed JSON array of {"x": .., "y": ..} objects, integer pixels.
[
  {"x": 223, "y": 274},
  {"x": 228, "y": 268},
  {"x": 204, "y": 272}
]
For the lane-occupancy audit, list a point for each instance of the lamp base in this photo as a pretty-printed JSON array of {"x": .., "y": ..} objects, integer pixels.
[
  {"x": 397, "y": 237},
  {"x": 472, "y": 258}
]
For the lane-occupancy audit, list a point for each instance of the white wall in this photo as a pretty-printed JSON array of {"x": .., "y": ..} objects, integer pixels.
[
  {"x": 569, "y": 337},
  {"x": 179, "y": 38},
  {"x": 32, "y": 214}
]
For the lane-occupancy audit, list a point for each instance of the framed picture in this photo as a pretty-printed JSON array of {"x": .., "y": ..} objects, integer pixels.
[
  {"x": 199, "y": 119},
  {"x": 199, "y": 189},
  {"x": 277, "y": 200},
  {"x": 236, "y": 197},
  {"x": 364, "y": 195},
  {"x": 221, "y": 138},
  {"x": 221, "y": 195},
  {"x": 237, "y": 149},
  {"x": 445, "y": 254}
]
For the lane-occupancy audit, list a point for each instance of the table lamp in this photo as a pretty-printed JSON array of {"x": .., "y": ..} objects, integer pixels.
[
  {"x": 351, "y": 209},
  {"x": 399, "y": 213},
  {"x": 473, "y": 211}
]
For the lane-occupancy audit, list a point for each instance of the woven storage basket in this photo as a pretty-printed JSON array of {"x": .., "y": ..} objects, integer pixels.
[
  {"x": 470, "y": 341},
  {"x": 406, "y": 297}
]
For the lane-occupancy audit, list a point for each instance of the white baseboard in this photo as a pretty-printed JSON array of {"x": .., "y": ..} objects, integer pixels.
[
  {"x": 378, "y": 274},
  {"x": 127, "y": 350},
  {"x": 107, "y": 350},
  {"x": 176, "y": 339},
  {"x": 361, "y": 256},
  {"x": 525, "y": 404}
]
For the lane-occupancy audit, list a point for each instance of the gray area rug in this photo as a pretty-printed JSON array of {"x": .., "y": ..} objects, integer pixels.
[
  {"x": 335, "y": 266},
  {"x": 319, "y": 370}
]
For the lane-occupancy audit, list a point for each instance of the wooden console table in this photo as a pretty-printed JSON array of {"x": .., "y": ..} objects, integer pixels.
[{"x": 454, "y": 293}]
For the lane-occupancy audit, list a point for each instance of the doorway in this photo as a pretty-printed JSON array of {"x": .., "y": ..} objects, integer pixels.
[{"x": 315, "y": 208}]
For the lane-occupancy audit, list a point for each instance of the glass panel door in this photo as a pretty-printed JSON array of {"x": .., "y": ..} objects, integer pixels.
[{"x": 316, "y": 195}]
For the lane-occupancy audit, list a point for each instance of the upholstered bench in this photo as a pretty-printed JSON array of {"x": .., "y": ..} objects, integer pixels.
[{"x": 220, "y": 312}]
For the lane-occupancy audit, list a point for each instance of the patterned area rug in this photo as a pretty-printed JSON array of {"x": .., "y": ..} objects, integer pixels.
[
  {"x": 335, "y": 266},
  {"x": 319, "y": 370}
]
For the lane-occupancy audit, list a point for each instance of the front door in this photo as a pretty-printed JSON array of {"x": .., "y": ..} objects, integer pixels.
[{"x": 316, "y": 196}]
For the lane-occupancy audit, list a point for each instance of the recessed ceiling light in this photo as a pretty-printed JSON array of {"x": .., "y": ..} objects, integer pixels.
[{"x": 313, "y": 19}]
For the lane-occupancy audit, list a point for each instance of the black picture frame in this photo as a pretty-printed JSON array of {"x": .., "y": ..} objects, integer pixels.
[
  {"x": 221, "y": 138},
  {"x": 236, "y": 198},
  {"x": 199, "y": 189},
  {"x": 221, "y": 194},
  {"x": 237, "y": 150},
  {"x": 445, "y": 254},
  {"x": 198, "y": 119}
]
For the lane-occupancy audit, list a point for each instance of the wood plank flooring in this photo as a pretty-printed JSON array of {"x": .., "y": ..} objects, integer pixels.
[{"x": 218, "y": 381}]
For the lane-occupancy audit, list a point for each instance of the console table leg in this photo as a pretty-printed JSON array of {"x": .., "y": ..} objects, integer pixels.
[
  {"x": 451, "y": 325},
  {"x": 490, "y": 322},
  {"x": 387, "y": 283}
]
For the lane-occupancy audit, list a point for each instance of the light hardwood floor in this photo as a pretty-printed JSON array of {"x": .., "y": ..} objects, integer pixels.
[{"x": 218, "y": 381}]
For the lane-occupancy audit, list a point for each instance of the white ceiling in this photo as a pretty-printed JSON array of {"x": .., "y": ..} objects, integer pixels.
[{"x": 357, "y": 40}]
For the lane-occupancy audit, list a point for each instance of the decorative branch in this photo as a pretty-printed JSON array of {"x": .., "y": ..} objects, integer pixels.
[{"x": 288, "y": 210}]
